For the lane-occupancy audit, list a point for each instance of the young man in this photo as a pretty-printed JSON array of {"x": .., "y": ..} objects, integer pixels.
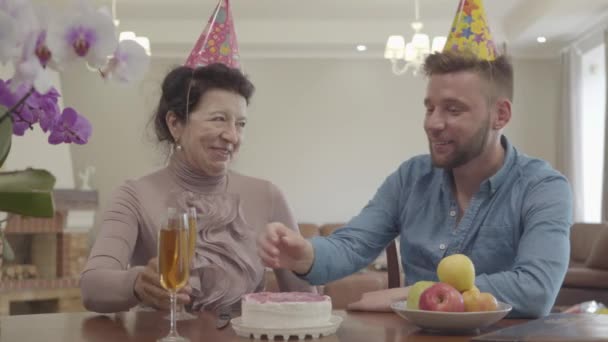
[{"x": 474, "y": 194}]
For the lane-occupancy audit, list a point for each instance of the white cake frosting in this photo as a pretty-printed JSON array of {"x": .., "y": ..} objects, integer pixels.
[{"x": 285, "y": 309}]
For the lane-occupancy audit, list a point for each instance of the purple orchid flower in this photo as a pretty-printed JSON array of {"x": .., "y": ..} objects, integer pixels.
[
  {"x": 71, "y": 127},
  {"x": 45, "y": 108},
  {"x": 23, "y": 119},
  {"x": 22, "y": 116},
  {"x": 7, "y": 98}
]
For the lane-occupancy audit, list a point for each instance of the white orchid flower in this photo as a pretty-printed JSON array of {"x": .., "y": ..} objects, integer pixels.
[
  {"x": 28, "y": 70},
  {"x": 22, "y": 12},
  {"x": 84, "y": 33},
  {"x": 8, "y": 38},
  {"x": 129, "y": 63}
]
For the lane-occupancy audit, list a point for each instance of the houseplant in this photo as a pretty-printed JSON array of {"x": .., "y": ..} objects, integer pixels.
[{"x": 35, "y": 39}]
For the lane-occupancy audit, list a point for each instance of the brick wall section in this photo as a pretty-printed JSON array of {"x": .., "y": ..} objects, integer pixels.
[
  {"x": 18, "y": 224},
  {"x": 72, "y": 253}
]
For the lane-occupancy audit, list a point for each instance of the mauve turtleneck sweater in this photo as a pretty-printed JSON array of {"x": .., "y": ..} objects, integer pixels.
[{"x": 232, "y": 209}]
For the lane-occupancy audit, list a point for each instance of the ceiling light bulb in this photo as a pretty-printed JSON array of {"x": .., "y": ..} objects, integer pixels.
[
  {"x": 541, "y": 40},
  {"x": 361, "y": 48},
  {"x": 126, "y": 35}
]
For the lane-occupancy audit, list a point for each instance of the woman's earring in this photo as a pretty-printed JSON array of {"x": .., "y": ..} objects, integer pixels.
[{"x": 178, "y": 147}]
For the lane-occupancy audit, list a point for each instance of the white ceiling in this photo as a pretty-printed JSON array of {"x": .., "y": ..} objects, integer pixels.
[{"x": 332, "y": 28}]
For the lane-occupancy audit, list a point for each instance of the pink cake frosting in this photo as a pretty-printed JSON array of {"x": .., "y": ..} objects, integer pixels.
[{"x": 283, "y": 297}]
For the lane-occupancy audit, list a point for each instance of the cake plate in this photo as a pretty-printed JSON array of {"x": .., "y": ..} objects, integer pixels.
[{"x": 271, "y": 333}]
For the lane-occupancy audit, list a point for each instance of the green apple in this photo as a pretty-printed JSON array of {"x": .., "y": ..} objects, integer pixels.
[{"x": 413, "y": 296}]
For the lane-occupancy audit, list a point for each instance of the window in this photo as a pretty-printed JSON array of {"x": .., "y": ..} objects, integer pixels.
[{"x": 593, "y": 126}]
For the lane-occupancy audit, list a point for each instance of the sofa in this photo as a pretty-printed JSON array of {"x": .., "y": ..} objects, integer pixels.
[
  {"x": 587, "y": 275},
  {"x": 350, "y": 289}
]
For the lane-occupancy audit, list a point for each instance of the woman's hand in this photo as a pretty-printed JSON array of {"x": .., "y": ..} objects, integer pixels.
[
  {"x": 149, "y": 291},
  {"x": 379, "y": 300}
]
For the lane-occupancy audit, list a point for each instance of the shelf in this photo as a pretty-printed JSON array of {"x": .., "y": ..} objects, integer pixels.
[{"x": 38, "y": 284}]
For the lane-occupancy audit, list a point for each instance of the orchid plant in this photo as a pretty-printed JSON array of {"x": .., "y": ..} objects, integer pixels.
[{"x": 35, "y": 39}]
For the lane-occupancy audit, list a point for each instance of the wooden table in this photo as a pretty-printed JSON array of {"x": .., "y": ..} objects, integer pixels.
[{"x": 149, "y": 326}]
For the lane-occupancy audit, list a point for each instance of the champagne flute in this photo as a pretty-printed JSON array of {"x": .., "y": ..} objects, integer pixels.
[
  {"x": 182, "y": 314},
  {"x": 173, "y": 265}
]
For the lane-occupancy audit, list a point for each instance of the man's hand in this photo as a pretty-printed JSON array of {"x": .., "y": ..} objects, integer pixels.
[
  {"x": 379, "y": 300},
  {"x": 149, "y": 291},
  {"x": 281, "y": 247}
]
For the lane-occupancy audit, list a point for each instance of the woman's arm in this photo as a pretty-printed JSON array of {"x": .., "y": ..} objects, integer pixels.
[{"x": 107, "y": 282}]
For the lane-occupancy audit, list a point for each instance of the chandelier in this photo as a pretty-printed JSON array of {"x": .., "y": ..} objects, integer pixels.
[{"x": 411, "y": 56}]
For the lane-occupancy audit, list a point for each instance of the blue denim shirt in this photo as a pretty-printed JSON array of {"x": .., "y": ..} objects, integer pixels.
[{"x": 515, "y": 230}]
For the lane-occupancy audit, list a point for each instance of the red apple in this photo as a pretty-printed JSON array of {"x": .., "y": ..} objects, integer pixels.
[{"x": 441, "y": 297}]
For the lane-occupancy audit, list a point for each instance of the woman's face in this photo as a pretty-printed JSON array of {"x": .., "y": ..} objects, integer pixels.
[{"x": 213, "y": 133}]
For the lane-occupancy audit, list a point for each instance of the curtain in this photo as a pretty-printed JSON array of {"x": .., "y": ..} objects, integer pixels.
[
  {"x": 569, "y": 157},
  {"x": 605, "y": 171}
]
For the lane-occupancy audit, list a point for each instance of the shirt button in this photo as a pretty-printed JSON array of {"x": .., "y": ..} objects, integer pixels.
[
  {"x": 442, "y": 246},
  {"x": 453, "y": 213}
]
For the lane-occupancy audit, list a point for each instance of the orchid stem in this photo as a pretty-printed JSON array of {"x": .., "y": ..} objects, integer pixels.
[{"x": 21, "y": 101}]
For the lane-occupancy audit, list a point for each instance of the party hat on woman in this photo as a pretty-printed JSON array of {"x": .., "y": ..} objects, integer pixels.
[{"x": 217, "y": 43}]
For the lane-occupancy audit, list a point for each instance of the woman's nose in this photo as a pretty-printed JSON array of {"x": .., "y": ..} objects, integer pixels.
[{"x": 230, "y": 134}]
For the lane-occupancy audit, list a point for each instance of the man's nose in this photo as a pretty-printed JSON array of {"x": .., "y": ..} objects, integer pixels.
[{"x": 434, "y": 121}]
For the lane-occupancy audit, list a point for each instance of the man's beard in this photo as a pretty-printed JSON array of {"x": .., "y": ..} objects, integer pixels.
[{"x": 464, "y": 154}]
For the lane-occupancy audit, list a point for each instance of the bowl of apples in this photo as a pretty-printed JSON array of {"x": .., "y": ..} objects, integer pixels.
[{"x": 453, "y": 304}]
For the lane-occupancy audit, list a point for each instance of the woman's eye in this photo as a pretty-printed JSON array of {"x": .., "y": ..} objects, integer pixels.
[
  {"x": 453, "y": 109},
  {"x": 218, "y": 118},
  {"x": 241, "y": 124}
]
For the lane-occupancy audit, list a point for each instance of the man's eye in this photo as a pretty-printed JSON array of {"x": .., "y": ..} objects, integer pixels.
[
  {"x": 241, "y": 124},
  {"x": 218, "y": 118}
]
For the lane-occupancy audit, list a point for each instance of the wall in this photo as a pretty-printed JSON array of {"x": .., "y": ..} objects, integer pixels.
[{"x": 327, "y": 132}]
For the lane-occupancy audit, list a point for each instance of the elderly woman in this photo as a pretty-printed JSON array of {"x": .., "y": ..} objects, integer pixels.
[{"x": 202, "y": 113}]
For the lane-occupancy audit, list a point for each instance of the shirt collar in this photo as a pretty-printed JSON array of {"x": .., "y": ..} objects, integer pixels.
[{"x": 501, "y": 176}]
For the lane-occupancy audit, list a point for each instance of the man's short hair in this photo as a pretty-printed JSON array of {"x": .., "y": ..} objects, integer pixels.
[{"x": 498, "y": 73}]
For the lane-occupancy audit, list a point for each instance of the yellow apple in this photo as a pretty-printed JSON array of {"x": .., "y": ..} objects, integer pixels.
[
  {"x": 413, "y": 296},
  {"x": 457, "y": 270},
  {"x": 470, "y": 299},
  {"x": 475, "y": 301}
]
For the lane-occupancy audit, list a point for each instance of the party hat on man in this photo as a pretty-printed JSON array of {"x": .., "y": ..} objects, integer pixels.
[
  {"x": 470, "y": 32},
  {"x": 217, "y": 43}
]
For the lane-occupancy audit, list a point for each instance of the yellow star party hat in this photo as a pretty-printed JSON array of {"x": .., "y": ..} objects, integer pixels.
[{"x": 470, "y": 32}]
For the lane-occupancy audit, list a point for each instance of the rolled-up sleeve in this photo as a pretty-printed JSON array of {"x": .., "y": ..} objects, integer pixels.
[
  {"x": 353, "y": 247},
  {"x": 538, "y": 272}
]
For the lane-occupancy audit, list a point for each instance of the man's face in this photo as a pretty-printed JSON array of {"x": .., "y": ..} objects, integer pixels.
[{"x": 458, "y": 118}]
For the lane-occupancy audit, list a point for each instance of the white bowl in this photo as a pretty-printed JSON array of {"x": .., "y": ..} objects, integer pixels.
[{"x": 451, "y": 321}]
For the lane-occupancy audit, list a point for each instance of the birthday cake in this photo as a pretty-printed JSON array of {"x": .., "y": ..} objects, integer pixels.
[{"x": 285, "y": 309}]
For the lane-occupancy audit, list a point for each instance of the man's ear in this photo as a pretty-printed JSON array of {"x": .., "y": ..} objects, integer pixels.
[
  {"x": 503, "y": 113},
  {"x": 175, "y": 125}
]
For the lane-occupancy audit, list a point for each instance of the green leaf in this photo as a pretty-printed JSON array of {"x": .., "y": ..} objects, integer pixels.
[
  {"x": 6, "y": 135},
  {"x": 27, "y": 192}
]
